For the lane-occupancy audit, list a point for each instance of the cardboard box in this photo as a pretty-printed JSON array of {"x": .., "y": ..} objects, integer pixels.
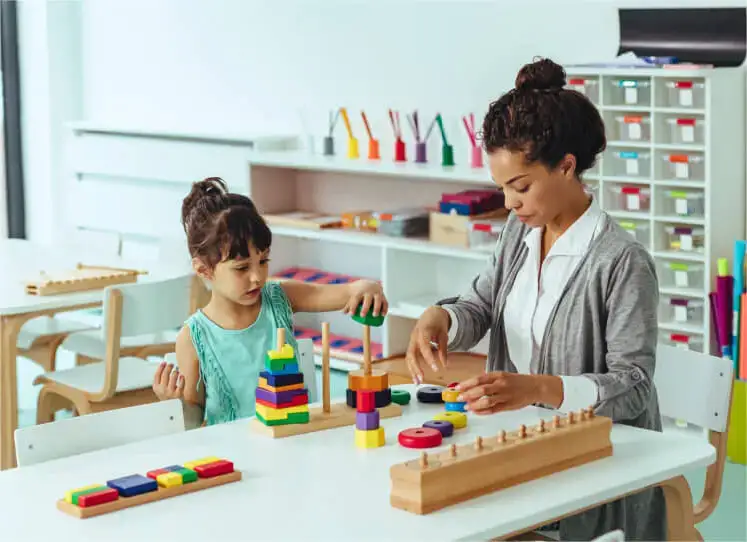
[{"x": 454, "y": 230}]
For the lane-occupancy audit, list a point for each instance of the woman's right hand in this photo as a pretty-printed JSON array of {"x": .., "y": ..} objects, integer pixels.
[
  {"x": 167, "y": 382},
  {"x": 431, "y": 327}
]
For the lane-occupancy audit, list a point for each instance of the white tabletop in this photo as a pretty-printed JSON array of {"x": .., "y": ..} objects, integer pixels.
[
  {"x": 320, "y": 486},
  {"x": 22, "y": 260}
]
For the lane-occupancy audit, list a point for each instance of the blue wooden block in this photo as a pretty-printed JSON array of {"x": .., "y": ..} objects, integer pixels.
[
  {"x": 135, "y": 484},
  {"x": 173, "y": 468},
  {"x": 455, "y": 407},
  {"x": 288, "y": 369}
]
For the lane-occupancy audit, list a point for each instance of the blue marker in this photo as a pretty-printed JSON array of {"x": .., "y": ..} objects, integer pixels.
[{"x": 739, "y": 250}]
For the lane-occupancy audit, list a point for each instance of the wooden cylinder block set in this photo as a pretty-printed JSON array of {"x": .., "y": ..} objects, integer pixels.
[{"x": 438, "y": 480}]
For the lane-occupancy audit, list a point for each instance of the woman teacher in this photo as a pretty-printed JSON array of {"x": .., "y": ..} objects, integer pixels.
[{"x": 569, "y": 298}]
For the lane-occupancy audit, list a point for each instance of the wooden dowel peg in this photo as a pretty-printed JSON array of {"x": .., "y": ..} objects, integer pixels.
[
  {"x": 501, "y": 436},
  {"x": 423, "y": 460},
  {"x": 522, "y": 431},
  {"x": 555, "y": 422},
  {"x": 590, "y": 412},
  {"x": 280, "y": 338},
  {"x": 452, "y": 451},
  {"x": 581, "y": 414},
  {"x": 366, "y": 350},
  {"x": 325, "y": 367},
  {"x": 571, "y": 418},
  {"x": 541, "y": 426},
  {"x": 478, "y": 443}
]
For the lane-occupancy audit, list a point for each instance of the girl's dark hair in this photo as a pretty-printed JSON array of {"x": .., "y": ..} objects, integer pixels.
[
  {"x": 220, "y": 225},
  {"x": 545, "y": 120}
]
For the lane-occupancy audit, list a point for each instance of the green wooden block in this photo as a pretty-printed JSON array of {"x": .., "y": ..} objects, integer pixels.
[
  {"x": 368, "y": 320},
  {"x": 297, "y": 417},
  {"x": 79, "y": 494},
  {"x": 401, "y": 397},
  {"x": 188, "y": 475},
  {"x": 274, "y": 365}
]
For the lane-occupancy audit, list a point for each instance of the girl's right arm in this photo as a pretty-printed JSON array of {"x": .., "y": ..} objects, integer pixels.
[{"x": 180, "y": 382}]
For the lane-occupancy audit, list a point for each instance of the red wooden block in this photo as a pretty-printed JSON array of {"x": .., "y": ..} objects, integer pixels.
[
  {"x": 365, "y": 401},
  {"x": 211, "y": 470},
  {"x": 156, "y": 473},
  {"x": 100, "y": 497}
]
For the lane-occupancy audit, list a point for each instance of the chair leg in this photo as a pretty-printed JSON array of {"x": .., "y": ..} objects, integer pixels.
[{"x": 48, "y": 404}]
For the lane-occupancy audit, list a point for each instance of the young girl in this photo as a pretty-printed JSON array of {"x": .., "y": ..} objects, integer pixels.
[{"x": 221, "y": 349}]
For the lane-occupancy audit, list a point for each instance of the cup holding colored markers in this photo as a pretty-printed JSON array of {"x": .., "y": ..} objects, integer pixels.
[
  {"x": 374, "y": 152},
  {"x": 400, "y": 151},
  {"x": 353, "y": 152},
  {"x": 421, "y": 154},
  {"x": 475, "y": 150},
  {"x": 476, "y": 157},
  {"x": 328, "y": 146},
  {"x": 447, "y": 155}
]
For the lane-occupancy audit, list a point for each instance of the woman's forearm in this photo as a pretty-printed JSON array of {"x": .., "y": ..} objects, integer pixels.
[{"x": 549, "y": 390}]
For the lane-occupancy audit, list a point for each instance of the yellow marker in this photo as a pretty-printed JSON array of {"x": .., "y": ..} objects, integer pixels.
[
  {"x": 458, "y": 419},
  {"x": 285, "y": 353},
  {"x": 69, "y": 494},
  {"x": 346, "y": 120},
  {"x": 169, "y": 479},
  {"x": 373, "y": 438},
  {"x": 269, "y": 413},
  {"x": 198, "y": 462}
]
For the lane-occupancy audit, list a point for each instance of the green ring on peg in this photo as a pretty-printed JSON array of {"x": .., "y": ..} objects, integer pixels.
[{"x": 368, "y": 320}]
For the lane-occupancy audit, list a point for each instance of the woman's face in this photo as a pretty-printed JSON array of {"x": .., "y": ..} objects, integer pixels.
[{"x": 535, "y": 193}]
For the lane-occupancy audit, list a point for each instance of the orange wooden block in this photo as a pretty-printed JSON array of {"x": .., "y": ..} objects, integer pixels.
[
  {"x": 376, "y": 381},
  {"x": 264, "y": 385}
]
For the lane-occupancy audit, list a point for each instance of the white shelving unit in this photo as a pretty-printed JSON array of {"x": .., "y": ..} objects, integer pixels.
[{"x": 674, "y": 175}]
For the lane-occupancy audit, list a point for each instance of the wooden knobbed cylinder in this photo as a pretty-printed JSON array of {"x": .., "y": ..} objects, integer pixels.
[
  {"x": 541, "y": 426},
  {"x": 452, "y": 450},
  {"x": 501, "y": 437},
  {"x": 590, "y": 412},
  {"x": 478, "y": 443},
  {"x": 571, "y": 417},
  {"x": 522, "y": 431},
  {"x": 423, "y": 460},
  {"x": 556, "y": 421}
]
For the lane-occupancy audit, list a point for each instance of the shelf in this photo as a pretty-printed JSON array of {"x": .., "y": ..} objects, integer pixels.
[
  {"x": 682, "y": 292},
  {"x": 680, "y": 110},
  {"x": 630, "y": 144},
  {"x": 695, "y": 221},
  {"x": 677, "y": 255},
  {"x": 426, "y": 172},
  {"x": 630, "y": 215},
  {"x": 626, "y": 108},
  {"x": 679, "y": 147},
  {"x": 681, "y": 327},
  {"x": 377, "y": 240},
  {"x": 625, "y": 180},
  {"x": 681, "y": 183}
]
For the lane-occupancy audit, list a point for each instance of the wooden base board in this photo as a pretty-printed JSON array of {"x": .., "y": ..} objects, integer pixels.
[
  {"x": 339, "y": 415},
  {"x": 144, "y": 498}
]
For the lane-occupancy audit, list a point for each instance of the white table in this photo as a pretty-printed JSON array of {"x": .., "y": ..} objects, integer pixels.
[
  {"x": 21, "y": 260},
  {"x": 320, "y": 486}
]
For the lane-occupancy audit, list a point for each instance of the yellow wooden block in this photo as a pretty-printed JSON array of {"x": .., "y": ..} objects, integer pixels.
[
  {"x": 198, "y": 462},
  {"x": 458, "y": 419},
  {"x": 376, "y": 381},
  {"x": 450, "y": 396},
  {"x": 286, "y": 352},
  {"x": 264, "y": 385},
  {"x": 373, "y": 438},
  {"x": 271, "y": 414},
  {"x": 169, "y": 479},
  {"x": 69, "y": 494}
]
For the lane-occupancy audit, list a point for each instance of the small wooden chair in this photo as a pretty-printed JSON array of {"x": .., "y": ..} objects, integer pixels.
[
  {"x": 129, "y": 309},
  {"x": 73, "y": 436}
]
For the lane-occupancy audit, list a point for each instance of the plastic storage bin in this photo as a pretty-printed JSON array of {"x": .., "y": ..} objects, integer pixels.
[
  {"x": 685, "y": 238},
  {"x": 588, "y": 86},
  {"x": 629, "y": 92},
  {"x": 681, "y": 310},
  {"x": 639, "y": 230},
  {"x": 685, "y": 93},
  {"x": 684, "y": 203},
  {"x": 682, "y": 274},
  {"x": 634, "y": 128},
  {"x": 628, "y": 164},
  {"x": 630, "y": 198},
  {"x": 485, "y": 233},
  {"x": 682, "y": 340},
  {"x": 686, "y": 130},
  {"x": 685, "y": 166}
]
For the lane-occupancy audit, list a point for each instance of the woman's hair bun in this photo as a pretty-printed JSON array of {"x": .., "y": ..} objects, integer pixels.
[{"x": 542, "y": 74}]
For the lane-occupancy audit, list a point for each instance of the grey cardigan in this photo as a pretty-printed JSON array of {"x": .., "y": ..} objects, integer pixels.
[{"x": 603, "y": 327}]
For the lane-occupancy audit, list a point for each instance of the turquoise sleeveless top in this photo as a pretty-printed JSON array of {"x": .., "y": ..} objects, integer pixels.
[{"x": 231, "y": 359}]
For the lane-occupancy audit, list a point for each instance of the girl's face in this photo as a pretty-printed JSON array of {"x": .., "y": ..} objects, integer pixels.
[
  {"x": 240, "y": 280},
  {"x": 535, "y": 193}
]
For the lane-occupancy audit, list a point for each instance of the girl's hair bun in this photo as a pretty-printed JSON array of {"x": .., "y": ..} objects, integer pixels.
[{"x": 542, "y": 74}]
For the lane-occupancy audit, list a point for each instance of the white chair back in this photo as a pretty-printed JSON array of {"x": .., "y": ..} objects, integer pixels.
[
  {"x": 693, "y": 387},
  {"x": 81, "y": 434},
  {"x": 152, "y": 306},
  {"x": 612, "y": 536},
  {"x": 307, "y": 366}
]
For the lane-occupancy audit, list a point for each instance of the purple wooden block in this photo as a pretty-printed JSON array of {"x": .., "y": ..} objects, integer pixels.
[
  {"x": 446, "y": 428},
  {"x": 366, "y": 421},
  {"x": 279, "y": 397}
]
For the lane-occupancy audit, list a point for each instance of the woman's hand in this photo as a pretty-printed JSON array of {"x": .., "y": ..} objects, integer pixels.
[
  {"x": 431, "y": 327},
  {"x": 494, "y": 392},
  {"x": 168, "y": 383},
  {"x": 370, "y": 294}
]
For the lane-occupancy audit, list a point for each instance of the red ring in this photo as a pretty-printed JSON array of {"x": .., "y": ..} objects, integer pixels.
[
  {"x": 453, "y": 385},
  {"x": 420, "y": 437}
]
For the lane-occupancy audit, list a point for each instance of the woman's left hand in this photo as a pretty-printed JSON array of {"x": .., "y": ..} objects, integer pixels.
[
  {"x": 494, "y": 392},
  {"x": 370, "y": 294}
]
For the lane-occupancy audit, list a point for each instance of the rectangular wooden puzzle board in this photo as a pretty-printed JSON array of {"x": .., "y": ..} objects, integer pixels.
[{"x": 82, "y": 278}]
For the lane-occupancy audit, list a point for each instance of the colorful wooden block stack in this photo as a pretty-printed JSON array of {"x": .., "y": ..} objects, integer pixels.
[
  {"x": 135, "y": 489},
  {"x": 368, "y": 432},
  {"x": 281, "y": 397}
]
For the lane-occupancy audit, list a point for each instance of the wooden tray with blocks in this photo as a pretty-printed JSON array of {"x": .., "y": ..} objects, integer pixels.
[
  {"x": 82, "y": 278},
  {"x": 460, "y": 473}
]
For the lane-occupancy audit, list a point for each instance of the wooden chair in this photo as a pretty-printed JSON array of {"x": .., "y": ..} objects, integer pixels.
[
  {"x": 129, "y": 310},
  {"x": 73, "y": 436}
]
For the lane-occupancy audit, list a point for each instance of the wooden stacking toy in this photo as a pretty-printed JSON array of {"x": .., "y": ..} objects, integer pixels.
[
  {"x": 135, "y": 489},
  {"x": 438, "y": 480},
  {"x": 82, "y": 278},
  {"x": 281, "y": 398}
]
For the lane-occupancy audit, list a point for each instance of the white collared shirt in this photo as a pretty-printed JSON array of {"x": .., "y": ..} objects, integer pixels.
[{"x": 536, "y": 291}]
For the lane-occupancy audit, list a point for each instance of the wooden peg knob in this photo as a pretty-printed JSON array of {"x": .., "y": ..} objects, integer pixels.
[
  {"x": 423, "y": 460},
  {"x": 582, "y": 414},
  {"x": 478, "y": 443},
  {"x": 541, "y": 426},
  {"x": 571, "y": 418},
  {"x": 452, "y": 451},
  {"x": 501, "y": 437},
  {"x": 556, "y": 422},
  {"x": 590, "y": 412},
  {"x": 522, "y": 431}
]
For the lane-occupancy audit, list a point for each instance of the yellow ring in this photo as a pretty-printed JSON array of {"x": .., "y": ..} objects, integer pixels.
[
  {"x": 450, "y": 396},
  {"x": 458, "y": 419}
]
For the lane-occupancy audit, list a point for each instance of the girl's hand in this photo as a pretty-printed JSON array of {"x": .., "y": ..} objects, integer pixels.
[
  {"x": 168, "y": 384},
  {"x": 431, "y": 327},
  {"x": 494, "y": 392},
  {"x": 370, "y": 294}
]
